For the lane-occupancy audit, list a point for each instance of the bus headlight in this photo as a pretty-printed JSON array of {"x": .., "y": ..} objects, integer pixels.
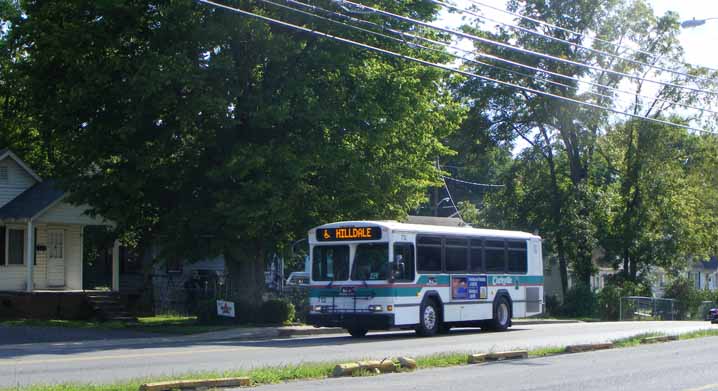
[{"x": 375, "y": 308}]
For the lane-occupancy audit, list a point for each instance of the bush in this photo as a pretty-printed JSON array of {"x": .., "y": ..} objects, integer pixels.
[
  {"x": 552, "y": 305},
  {"x": 688, "y": 298},
  {"x": 609, "y": 297},
  {"x": 276, "y": 311},
  {"x": 579, "y": 301}
]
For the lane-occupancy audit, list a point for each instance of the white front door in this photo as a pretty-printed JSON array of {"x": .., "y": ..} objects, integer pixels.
[{"x": 56, "y": 258}]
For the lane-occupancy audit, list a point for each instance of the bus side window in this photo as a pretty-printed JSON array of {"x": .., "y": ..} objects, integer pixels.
[
  {"x": 495, "y": 256},
  {"x": 517, "y": 257},
  {"x": 457, "y": 259},
  {"x": 403, "y": 266},
  {"x": 428, "y": 254},
  {"x": 477, "y": 256}
]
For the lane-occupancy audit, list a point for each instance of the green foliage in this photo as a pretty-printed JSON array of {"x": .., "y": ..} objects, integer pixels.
[
  {"x": 647, "y": 199},
  {"x": 273, "y": 311},
  {"x": 609, "y": 297},
  {"x": 688, "y": 298},
  {"x": 221, "y": 134},
  {"x": 579, "y": 301},
  {"x": 276, "y": 311}
]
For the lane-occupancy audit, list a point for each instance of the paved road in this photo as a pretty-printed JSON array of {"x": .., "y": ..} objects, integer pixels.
[
  {"x": 683, "y": 365},
  {"x": 104, "y": 363},
  {"x": 29, "y": 334}
]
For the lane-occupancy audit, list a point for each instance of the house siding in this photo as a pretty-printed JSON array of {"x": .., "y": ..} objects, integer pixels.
[
  {"x": 67, "y": 213},
  {"x": 12, "y": 278},
  {"x": 18, "y": 181}
]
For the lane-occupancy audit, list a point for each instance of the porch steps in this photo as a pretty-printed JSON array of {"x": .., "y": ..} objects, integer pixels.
[{"x": 108, "y": 306}]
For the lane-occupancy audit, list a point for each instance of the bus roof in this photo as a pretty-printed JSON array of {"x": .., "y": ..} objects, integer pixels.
[{"x": 430, "y": 229}]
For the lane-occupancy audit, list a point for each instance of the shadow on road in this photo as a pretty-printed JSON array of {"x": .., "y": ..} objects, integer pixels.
[{"x": 74, "y": 347}]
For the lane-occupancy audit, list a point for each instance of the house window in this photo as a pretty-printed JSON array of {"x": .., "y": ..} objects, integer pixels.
[
  {"x": 15, "y": 246},
  {"x": 4, "y": 177}
]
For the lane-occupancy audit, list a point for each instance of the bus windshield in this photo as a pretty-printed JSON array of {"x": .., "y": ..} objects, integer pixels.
[
  {"x": 330, "y": 263},
  {"x": 371, "y": 262}
]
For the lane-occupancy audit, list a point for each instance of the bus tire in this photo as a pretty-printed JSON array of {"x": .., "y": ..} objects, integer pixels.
[
  {"x": 428, "y": 319},
  {"x": 502, "y": 315},
  {"x": 357, "y": 333}
]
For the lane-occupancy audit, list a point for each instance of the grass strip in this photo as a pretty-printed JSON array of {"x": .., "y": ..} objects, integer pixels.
[{"x": 321, "y": 370}]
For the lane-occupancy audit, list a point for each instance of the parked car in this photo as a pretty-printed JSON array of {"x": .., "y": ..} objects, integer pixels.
[
  {"x": 713, "y": 315},
  {"x": 298, "y": 279}
]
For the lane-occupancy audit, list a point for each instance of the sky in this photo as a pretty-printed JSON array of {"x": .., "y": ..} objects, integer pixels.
[{"x": 699, "y": 42}]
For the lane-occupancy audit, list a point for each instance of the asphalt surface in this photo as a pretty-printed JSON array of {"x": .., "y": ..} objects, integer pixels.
[
  {"x": 12, "y": 335},
  {"x": 684, "y": 365},
  {"x": 105, "y": 363}
]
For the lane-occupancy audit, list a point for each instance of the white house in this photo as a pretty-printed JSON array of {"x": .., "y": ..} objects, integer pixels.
[{"x": 41, "y": 234}]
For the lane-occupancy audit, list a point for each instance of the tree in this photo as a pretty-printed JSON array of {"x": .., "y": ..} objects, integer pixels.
[
  {"x": 658, "y": 183},
  {"x": 224, "y": 135},
  {"x": 564, "y": 134}
]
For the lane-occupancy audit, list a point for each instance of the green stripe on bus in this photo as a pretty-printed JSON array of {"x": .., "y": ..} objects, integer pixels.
[{"x": 399, "y": 291}]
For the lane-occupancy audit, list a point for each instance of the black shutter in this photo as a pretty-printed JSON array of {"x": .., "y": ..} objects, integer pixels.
[
  {"x": 2, "y": 245},
  {"x": 34, "y": 248}
]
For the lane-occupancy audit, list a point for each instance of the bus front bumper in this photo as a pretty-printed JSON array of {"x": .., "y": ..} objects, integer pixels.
[{"x": 354, "y": 320}]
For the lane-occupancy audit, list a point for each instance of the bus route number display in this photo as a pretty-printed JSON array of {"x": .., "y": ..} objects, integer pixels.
[{"x": 348, "y": 233}]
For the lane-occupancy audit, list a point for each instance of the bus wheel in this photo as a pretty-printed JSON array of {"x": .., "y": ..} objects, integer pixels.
[
  {"x": 428, "y": 319},
  {"x": 357, "y": 333},
  {"x": 502, "y": 315}
]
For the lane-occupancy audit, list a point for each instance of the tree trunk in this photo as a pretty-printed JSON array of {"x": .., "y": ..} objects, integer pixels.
[
  {"x": 556, "y": 206},
  {"x": 246, "y": 274}
]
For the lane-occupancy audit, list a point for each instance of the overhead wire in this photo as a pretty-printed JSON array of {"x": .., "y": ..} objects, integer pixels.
[
  {"x": 517, "y": 48},
  {"x": 582, "y": 35},
  {"x": 446, "y": 186},
  {"x": 574, "y": 44},
  {"x": 471, "y": 183},
  {"x": 404, "y": 35},
  {"x": 441, "y": 66}
]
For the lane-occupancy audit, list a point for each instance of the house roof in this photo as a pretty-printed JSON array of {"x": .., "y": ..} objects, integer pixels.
[
  {"x": 5, "y": 152},
  {"x": 711, "y": 264},
  {"x": 32, "y": 201}
]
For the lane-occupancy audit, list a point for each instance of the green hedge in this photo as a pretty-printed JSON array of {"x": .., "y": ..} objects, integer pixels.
[{"x": 273, "y": 311}]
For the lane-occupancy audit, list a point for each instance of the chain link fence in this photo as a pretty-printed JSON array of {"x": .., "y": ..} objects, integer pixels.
[{"x": 651, "y": 308}]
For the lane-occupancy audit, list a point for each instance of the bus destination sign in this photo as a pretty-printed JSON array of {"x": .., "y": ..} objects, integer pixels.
[{"x": 348, "y": 233}]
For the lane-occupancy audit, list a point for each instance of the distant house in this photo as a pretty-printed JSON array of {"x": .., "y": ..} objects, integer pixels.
[
  {"x": 704, "y": 274},
  {"x": 41, "y": 234}
]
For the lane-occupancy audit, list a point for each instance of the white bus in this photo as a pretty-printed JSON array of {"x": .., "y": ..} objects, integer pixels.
[{"x": 380, "y": 275}]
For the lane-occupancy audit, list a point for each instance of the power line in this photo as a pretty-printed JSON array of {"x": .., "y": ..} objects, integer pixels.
[
  {"x": 446, "y": 186},
  {"x": 582, "y": 35},
  {"x": 577, "y": 45},
  {"x": 471, "y": 183},
  {"x": 441, "y": 66},
  {"x": 480, "y": 54},
  {"x": 519, "y": 49}
]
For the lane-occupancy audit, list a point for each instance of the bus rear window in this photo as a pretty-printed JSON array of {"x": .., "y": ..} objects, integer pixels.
[{"x": 330, "y": 263}]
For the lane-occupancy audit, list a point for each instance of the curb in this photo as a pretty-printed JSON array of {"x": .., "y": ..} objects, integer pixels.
[
  {"x": 662, "y": 338},
  {"x": 313, "y": 331},
  {"x": 588, "y": 347},
  {"x": 498, "y": 356},
  {"x": 208, "y": 383},
  {"x": 387, "y": 365}
]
